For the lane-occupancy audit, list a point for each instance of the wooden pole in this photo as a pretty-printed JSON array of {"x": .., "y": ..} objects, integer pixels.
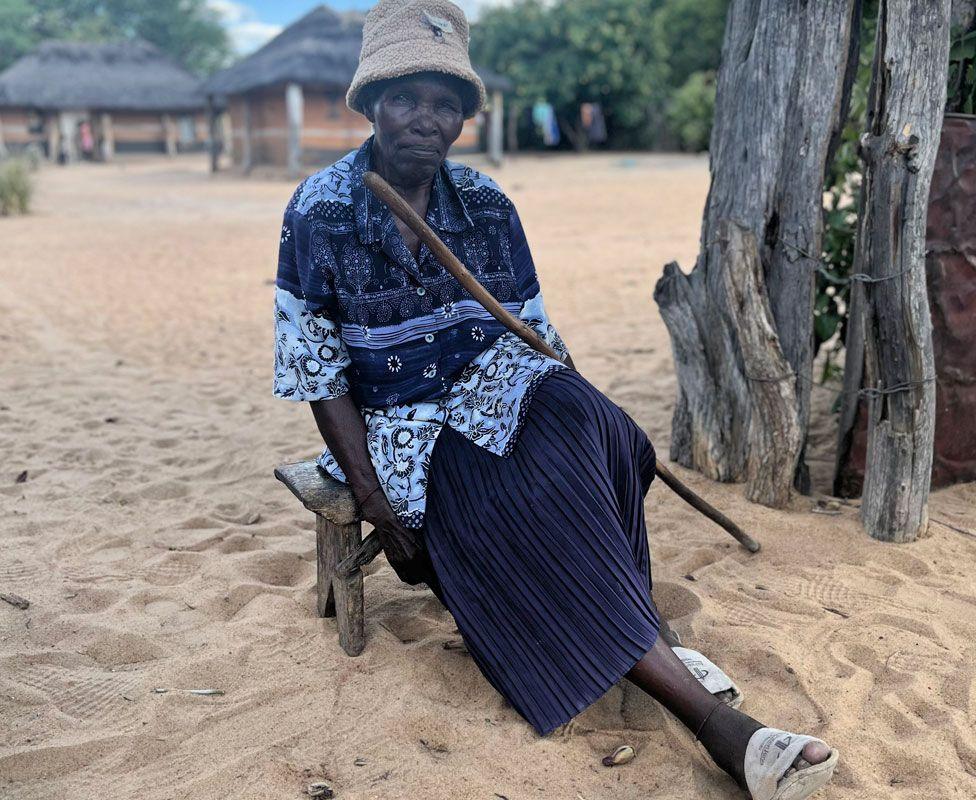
[
  {"x": 53, "y": 124},
  {"x": 169, "y": 134},
  {"x": 214, "y": 142},
  {"x": 247, "y": 145},
  {"x": 108, "y": 138},
  {"x": 905, "y": 109},
  {"x": 412, "y": 219},
  {"x": 295, "y": 107},
  {"x": 3, "y": 144},
  {"x": 496, "y": 129},
  {"x": 68, "y": 142}
]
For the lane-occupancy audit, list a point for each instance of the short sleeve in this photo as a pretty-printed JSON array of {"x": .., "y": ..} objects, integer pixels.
[
  {"x": 310, "y": 356},
  {"x": 533, "y": 309}
]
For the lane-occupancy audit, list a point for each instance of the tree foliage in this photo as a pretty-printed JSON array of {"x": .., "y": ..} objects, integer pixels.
[
  {"x": 186, "y": 30},
  {"x": 628, "y": 55},
  {"x": 691, "y": 109}
]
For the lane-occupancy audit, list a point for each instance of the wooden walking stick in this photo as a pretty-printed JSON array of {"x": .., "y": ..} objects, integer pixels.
[{"x": 412, "y": 220}]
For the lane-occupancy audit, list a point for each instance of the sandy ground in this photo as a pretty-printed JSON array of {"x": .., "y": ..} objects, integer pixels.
[{"x": 158, "y": 551}]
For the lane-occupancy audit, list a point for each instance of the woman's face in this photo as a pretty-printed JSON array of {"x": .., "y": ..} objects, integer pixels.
[{"x": 416, "y": 120}]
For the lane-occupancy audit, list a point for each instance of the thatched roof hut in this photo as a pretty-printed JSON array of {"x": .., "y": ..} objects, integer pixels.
[
  {"x": 109, "y": 76},
  {"x": 61, "y": 85},
  {"x": 287, "y": 100}
]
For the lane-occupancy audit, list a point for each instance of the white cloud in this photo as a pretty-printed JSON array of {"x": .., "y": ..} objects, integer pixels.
[
  {"x": 472, "y": 8},
  {"x": 247, "y": 32}
]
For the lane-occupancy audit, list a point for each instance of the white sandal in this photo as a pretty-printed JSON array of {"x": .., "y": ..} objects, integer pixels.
[
  {"x": 710, "y": 676},
  {"x": 770, "y": 771}
]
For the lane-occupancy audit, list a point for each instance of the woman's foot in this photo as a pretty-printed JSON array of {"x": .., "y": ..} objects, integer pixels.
[{"x": 727, "y": 733}]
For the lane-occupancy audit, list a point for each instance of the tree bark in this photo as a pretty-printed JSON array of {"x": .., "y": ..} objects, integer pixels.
[
  {"x": 908, "y": 95},
  {"x": 783, "y": 91},
  {"x": 774, "y": 446}
]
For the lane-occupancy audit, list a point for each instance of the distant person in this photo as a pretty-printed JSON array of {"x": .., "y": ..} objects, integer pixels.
[
  {"x": 87, "y": 140},
  {"x": 497, "y": 475}
]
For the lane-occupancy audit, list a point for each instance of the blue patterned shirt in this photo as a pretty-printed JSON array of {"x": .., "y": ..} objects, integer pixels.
[{"x": 356, "y": 313}]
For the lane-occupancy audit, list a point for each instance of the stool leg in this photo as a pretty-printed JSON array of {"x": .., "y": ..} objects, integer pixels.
[
  {"x": 344, "y": 593},
  {"x": 326, "y": 560}
]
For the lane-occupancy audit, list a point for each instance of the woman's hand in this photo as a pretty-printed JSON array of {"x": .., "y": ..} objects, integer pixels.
[{"x": 399, "y": 543}]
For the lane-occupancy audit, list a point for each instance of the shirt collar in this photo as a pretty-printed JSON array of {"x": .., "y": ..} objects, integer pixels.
[{"x": 446, "y": 210}]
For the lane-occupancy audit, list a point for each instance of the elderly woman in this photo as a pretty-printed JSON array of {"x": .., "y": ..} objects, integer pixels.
[{"x": 497, "y": 475}]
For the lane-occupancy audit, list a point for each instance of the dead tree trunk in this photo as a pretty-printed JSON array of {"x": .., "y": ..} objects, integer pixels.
[
  {"x": 783, "y": 91},
  {"x": 908, "y": 94},
  {"x": 774, "y": 446}
]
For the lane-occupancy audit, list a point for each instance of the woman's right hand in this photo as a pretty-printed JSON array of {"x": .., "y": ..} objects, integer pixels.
[{"x": 399, "y": 543}]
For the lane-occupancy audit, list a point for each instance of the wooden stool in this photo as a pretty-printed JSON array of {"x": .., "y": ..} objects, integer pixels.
[{"x": 338, "y": 535}]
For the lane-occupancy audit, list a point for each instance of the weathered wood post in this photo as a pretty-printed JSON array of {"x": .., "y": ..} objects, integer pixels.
[
  {"x": 214, "y": 142},
  {"x": 905, "y": 107},
  {"x": 52, "y": 125},
  {"x": 247, "y": 144},
  {"x": 3, "y": 144},
  {"x": 295, "y": 107},
  {"x": 782, "y": 98},
  {"x": 108, "y": 137},
  {"x": 68, "y": 141},
  {"x": 169, "y": 135},
  {"x": 496, "y": 130}
]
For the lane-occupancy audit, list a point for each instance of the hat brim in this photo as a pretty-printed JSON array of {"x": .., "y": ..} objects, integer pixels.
[{"x": 401, "y": 60}]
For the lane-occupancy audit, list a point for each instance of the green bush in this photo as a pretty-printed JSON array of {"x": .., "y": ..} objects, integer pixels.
[
  {"x": 16, "y": 187},
  {"x": 690, "y": 111}
]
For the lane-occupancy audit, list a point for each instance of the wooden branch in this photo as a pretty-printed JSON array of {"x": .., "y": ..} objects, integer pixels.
[{"x": 15, "y": 600}]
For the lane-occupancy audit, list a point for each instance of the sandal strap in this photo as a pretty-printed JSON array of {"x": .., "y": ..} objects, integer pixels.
[{"x": 708, "y": 674}]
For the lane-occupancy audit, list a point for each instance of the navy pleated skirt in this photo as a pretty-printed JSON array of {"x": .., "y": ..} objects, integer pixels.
[{"x": 542, "y": 556}]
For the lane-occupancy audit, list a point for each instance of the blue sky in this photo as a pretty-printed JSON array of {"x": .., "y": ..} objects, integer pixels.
[{"x": 252, "y": 22}]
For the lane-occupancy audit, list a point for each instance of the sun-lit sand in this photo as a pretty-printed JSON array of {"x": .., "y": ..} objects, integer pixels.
[{"x": 157, "y": 550}]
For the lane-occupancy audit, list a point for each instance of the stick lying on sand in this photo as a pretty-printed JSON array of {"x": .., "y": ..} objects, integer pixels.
[{"x": 371, "y": 545}]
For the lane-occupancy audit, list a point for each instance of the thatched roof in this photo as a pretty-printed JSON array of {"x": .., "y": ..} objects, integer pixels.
[
  {"x": 109, "y": 76},
  {"x": 321, "y": 50}
]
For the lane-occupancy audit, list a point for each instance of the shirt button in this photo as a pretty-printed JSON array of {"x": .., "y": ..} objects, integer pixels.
[
  {"x": 429, "y": 338},
  {"x": 421, "y": 291}
]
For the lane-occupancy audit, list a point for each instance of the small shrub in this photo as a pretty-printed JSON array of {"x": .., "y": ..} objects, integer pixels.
[{"x": 16, "y": 187}]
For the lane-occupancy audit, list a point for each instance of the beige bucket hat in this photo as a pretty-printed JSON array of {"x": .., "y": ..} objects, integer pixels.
[{"x": 404, "y": 37}]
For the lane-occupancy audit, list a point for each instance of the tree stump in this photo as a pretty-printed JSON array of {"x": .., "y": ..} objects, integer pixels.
[{"x": 782, "y": 97}]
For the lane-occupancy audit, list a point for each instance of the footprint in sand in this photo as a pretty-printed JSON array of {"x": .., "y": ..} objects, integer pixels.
[
  {"x": 88, "y": 600},
  {"x": 91, "y": 696},
  {"x": 241, "y": 543},
  {"x": 18, "y": 572},
  {"x": 413, "y": 619},
  {"x": 276, "y": 569},
  {"x": 115, "y": 649},
  {"x": 171, "y": 569}
]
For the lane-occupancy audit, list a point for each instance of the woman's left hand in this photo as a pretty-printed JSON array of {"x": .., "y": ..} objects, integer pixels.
[{"x": 399, "y": 543}]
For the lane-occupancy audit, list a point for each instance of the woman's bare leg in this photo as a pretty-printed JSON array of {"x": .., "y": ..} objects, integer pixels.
[{"x": 723, "y": 731}]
